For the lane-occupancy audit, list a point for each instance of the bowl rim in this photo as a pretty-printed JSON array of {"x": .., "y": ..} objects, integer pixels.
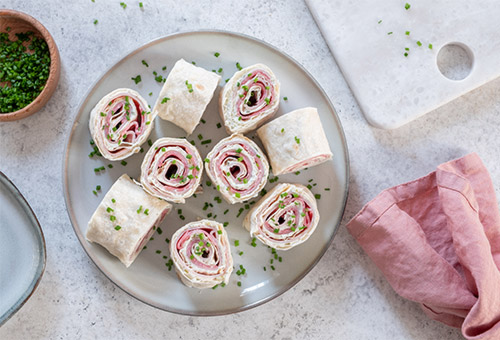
[{"x": 54, "y": 72}]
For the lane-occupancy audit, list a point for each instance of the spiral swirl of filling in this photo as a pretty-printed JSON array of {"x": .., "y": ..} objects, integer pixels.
[
  {"x": 201, "y": 254},
  {"x": 120, "y": 123},
  {"x": 171, "y": 169},
  {"x": 238, "y": 168},
  {"x": 249, "y": 98},
  {"x": 284, "y": 218}
]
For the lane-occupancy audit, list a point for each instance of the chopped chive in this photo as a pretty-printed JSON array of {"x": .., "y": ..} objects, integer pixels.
[
  {"x": 226, "y": 211},
  {"x": 202, "y": 121},
  {"x": 95, "y": 192},
  {"x": 113, "y": 200},
  {"x": 239, "y": 150},
  {"x": 419, "y": 43},
  {"x": 139, "y": 210},
  {"x": 430, "y": 46},
  {"x": 146, "y": 212},
  {"x": 239, "y": 212},
  {"x": 207, "y": 141},
  {"x": 219, "y": 125},
  {"x": 237, "y": 194},
  {"x": 219, "y": 232},
  {"x": 141, "y": 5},
  {"x": 145, "y": 63},
  {"x": 238, "y": 66},
  {"x": 96, "y": 22},
  {"x": 389, "y": 33},
  {"x": 164, "y": 100},
  {"x": 124, "y": 5},
  {"x": 407, "y": 6},
  {"x": 219, "y": 70},
  {"x": 380, "y": 21},
  {"x": 137, "y": 79},
  {"x": 98, "y": 188},
  {"x": 297, "y": 140},
  {"x": 225, "y": 224},
  {"x": 407, "y": 32},
  {"x": 118, "y": 227},
  {"x": 123, "y": 163},
  {"x": 236, "y": 243},
  {"x": 189, "y": 86},
  {"x": 109, "y": 209},
  {"x": 207, "y": 160},
  {"x": 217, "y": 54},
  {"x": 159, "y": 231}
]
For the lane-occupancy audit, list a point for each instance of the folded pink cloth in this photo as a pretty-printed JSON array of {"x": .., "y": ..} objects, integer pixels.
[{"x": 437, "y": 241}]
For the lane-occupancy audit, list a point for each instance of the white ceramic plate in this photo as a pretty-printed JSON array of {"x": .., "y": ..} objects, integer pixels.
[
  {"x": 22, "y": 250},
  {"x": 148, "y": 278}
]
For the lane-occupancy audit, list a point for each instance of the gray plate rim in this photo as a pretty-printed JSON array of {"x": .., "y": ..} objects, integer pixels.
[
  {"x": 81, "y": 237},
  {"x": 41, "y": 239}
]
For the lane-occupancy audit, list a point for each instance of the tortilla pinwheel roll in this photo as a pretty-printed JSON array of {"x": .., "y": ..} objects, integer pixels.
[
  {"x": 249, "y": 98},
  {"x": 238, "y": 168},
  {"x": 171, "y": 169},
  {"x": 295, "y": 141},
  {"x": 120, "y": 123},
  {"x": 126, "y": 219},
  {"x": 185, "y": 95},
  {"x": 201, "y": 254},
  {"x": 284, "y": 218}
]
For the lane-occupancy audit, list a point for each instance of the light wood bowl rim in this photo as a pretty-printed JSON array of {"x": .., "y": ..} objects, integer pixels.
[{"x": 54, "y": 73}]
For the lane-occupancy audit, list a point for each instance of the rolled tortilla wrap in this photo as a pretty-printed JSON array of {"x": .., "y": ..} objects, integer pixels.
[
  {"x": 295, "y": 141},
  {"x": 126, "y": 219},
  {"x": 201, "y": 254},
  {"x": 238, "y": 168},
  {"x": 171, "y": 169},
  {"x": 249, "y": 98},
  {"x": 185, "y": 95},
  {"x": 284, "y": 218},
  {"x": 120, "y": 123}
]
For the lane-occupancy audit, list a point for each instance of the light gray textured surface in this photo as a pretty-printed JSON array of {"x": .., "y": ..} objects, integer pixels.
[{"x": 344, "y": 297}]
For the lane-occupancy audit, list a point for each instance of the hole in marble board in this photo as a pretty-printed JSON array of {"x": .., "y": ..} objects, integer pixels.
[{"x": 455, "y": 61}]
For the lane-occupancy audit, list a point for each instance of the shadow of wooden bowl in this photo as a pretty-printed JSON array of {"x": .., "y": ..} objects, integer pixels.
[{"x": 20, "y": 22}]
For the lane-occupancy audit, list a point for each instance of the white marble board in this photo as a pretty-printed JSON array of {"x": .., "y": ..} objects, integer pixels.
[{"x": 390, "y": 88}]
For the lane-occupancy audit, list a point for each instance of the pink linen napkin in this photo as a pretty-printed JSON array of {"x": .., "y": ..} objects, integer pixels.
[{"x": 437, "y": 241}]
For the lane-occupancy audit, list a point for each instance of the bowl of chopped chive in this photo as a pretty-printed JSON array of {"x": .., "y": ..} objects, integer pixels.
[{"x": 29, "y": 65}]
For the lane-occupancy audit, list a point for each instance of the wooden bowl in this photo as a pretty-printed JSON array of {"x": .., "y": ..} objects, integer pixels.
[{"x": 20, "y": 23}]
